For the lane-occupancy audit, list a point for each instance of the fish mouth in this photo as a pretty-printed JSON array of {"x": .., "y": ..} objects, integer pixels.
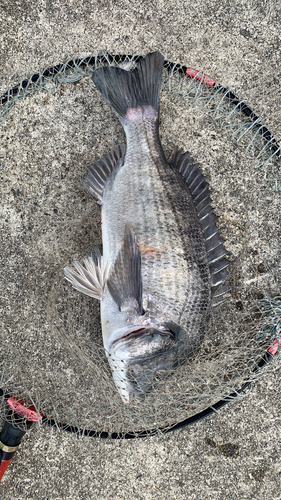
[{"x": 138, "y": 332}]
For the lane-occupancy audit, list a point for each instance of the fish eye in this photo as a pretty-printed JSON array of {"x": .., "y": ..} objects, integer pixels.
[{"x": 157, "y": 375}]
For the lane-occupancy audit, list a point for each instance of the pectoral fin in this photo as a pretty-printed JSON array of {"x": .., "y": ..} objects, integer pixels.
[{"x": 125, "y": 281}]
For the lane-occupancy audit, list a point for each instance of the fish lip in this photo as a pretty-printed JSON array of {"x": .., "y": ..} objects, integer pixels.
[
  {"x": 138, "y": 332},
  {"x": 132, "y": 333}
]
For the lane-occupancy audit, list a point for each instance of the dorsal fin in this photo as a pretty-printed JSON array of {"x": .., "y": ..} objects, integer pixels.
[
  {"x": 99, "y": 172},
  {"x": 125, "y": 280},
  {"x": 201, "y": 196}
]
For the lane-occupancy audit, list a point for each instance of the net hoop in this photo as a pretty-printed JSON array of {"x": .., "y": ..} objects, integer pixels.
[{"x": 38, "y": 81}]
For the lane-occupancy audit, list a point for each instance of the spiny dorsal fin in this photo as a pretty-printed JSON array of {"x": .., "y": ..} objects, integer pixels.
[
  {"x": 201, "y": 195},
  {"x": 125, "y": 281},
  {"x": 91, "y": 278},
  {"x": 99, "y": 172}
]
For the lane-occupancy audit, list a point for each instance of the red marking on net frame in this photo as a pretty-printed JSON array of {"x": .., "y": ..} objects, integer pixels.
[
  {"x": 25, "y": 410},
  {"x": 275, "y": 346},
  {"x": 193, "y": 73}
]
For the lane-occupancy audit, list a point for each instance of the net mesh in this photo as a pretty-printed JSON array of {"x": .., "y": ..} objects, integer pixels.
[{"x": 51, "y": 342}]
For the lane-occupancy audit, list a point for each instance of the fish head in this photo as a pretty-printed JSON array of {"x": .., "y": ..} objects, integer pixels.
[{"x": 143, "y": 353}]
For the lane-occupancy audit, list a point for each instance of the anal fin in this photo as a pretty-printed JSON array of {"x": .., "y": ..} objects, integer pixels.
[{"x": 99, "y": 172}]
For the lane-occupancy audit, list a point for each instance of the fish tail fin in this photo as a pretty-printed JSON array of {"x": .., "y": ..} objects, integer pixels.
[{"x": 125, "y": 90}]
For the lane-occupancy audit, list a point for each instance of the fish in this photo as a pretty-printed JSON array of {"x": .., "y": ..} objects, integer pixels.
[{"x": 164, "y": 266}]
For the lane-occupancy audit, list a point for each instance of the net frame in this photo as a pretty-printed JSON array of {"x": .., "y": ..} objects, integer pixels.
[{"x": 73, "y": 71}]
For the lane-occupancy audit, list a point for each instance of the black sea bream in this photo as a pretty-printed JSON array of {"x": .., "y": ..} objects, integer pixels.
[{"x": 163, "y": 266}]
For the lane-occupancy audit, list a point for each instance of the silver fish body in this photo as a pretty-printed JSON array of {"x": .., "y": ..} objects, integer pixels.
[
  {"x": 146, "y": 194},
  {"x": 157, "y": 287}
]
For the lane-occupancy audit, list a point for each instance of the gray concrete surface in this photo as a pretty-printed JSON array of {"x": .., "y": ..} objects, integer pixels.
[{"x": 231, "y": 455}]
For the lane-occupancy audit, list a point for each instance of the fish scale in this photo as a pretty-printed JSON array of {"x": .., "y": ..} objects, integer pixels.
[
  {"x": 153, "y": 223},
  {"x": 171, "y": 278}
]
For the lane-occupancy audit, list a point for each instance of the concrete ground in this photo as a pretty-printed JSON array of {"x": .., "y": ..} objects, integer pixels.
[{"x": 232, "y": 455}]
